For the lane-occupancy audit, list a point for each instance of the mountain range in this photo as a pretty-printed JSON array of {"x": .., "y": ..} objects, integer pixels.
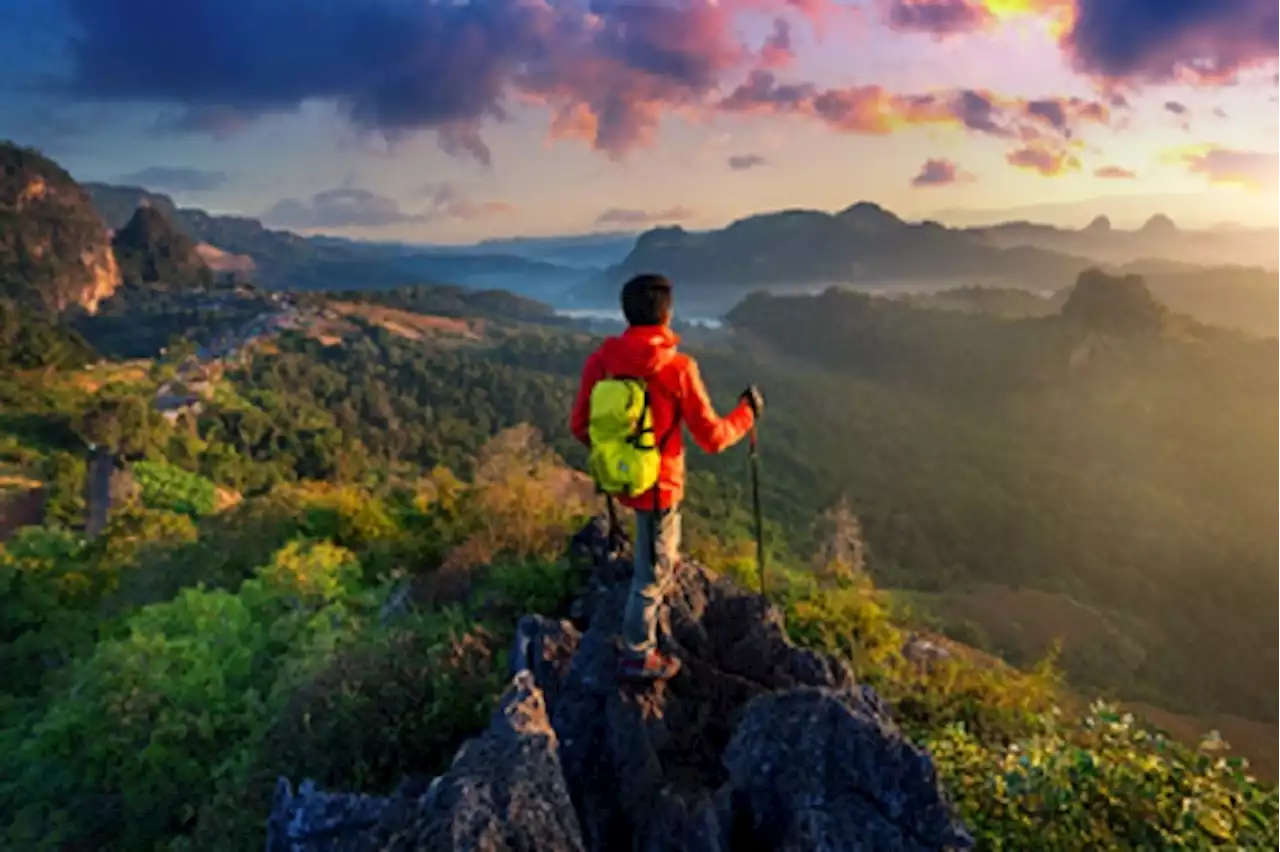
[
  {"x": 285, "y": 260},
  {"x": 863, "y": 245},
  {"x": 1159, "y": 237},
  {"x": 868, "y": 246}
]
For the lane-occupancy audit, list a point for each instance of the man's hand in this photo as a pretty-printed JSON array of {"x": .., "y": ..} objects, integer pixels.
[{"x": 752, "y": 397}]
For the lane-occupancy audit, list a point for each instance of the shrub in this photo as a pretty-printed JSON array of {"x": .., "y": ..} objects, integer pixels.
[
  {"x": 398, "y": 702},
  {"x": 167, "y": 486},
  {"x": 510, "y": 589},
  {"x": 1103, "y": 782},
  {"x": 230, "y": 548},
  {"x": 310, "y": 574},
  {"x": 65, "y": 474},
  {"x": 523, "y": 502},
  {"x": 147, "y": 724},
  {"x": 47, "y": 590},
  {"x": 350, "y": 516}
]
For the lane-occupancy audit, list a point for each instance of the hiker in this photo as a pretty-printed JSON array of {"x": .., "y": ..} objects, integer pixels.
[{"x": 636, "y": 390}]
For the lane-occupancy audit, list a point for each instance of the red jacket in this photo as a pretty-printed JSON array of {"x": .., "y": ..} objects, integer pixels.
[{"x": 675, "y": 391}]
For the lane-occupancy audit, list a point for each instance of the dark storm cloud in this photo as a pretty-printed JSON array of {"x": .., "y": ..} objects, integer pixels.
[
  {"x": 1161, "y": 40},
  {"x": 608, "y": 69}
]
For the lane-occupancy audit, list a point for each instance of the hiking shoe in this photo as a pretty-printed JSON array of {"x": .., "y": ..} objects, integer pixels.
[{"x": 652, "y": 666}]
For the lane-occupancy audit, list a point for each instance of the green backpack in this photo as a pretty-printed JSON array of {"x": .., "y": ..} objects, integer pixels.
[{"x": 625, "y": 457}]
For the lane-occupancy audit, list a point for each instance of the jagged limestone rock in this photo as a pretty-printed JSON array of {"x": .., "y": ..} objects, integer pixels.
[
  {"x": 755, "y": 744},
  {"x": 817, "y": 769},
  {"x": 504, "y": 793},
  {"x": 55, "y": 251}
]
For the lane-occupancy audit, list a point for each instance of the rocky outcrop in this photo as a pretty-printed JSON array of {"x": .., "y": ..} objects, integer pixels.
[
  {"x": 154, "y": 254},
  {"x": 755, "y": 744},
  {"x": 54, "y": 248},
  {"x": 1113, "y": 304}
]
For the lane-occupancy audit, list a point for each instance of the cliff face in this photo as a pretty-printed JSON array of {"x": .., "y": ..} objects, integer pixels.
[
  {"x": 755, "y": 744},
  {"x": 54, "y": 248}
]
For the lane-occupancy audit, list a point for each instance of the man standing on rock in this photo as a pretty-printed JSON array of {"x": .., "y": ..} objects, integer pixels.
[{"x": 635, "y": 393}]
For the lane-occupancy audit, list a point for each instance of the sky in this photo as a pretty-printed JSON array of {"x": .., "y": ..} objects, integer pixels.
[{"x": 452, "y": 121}]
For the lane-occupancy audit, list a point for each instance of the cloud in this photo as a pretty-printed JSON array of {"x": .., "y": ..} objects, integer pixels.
[
  {"x": 1131, "y": 41},
  {"x": 634, "y": 218},
  {"x": 939, "y": 18},
  {"x": 220, "y": 122},
  {"x": 608, "y": 69},
  {"x": 352, "y": 207},
  {"x": 1064, "y": 114},
  {"x": 176, "y": 179},
  {"x": 938, "y": 172},
  {"x": 1046, "y": 161},
  {"x": 743, "y": 162},
  {"x": 1250, "y": 169},
  {"x": 871, "y": 109},
  {"x": 1176, "y": 107},
  {"x": 945, "y": 18},
  {"x": 778, "y": 50},
  {"x": 447, "y": 202},
  {"x": 342, "y": 207},
  {"x": 1114, "y": 173},
  {"x": 1157, "y": 41}
]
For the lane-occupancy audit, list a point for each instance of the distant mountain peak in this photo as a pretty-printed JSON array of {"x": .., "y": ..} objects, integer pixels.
[
  {"x": 1159, "y": 224},
  {"x": 1099, "y": 225},
  {"x": 868, "y": 215},
  {"x": 152, "y": 251},
  {"x": 149, "y": 226}
]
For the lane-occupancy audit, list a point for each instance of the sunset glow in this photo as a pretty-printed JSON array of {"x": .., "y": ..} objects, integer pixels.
[{"x": 539, "y": 114}]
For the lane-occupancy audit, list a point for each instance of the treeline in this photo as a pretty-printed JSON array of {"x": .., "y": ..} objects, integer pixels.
[
  {"x": 31, "y": 339},
  {"x": 453, "y": 301}
]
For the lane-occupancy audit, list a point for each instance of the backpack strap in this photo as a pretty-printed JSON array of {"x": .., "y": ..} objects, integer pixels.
[{"x": 662, "y": 444}]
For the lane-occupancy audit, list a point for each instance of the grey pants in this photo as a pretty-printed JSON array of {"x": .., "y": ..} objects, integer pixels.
[{"x": 650, "y": 579}]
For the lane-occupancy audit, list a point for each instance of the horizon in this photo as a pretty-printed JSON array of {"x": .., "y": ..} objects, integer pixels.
[
  {"x": 958, "y": 219},
  {"x": 682, "y": 112}
]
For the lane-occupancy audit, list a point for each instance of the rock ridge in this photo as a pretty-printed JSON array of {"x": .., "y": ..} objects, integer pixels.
[{"x": 755, "y": 744}]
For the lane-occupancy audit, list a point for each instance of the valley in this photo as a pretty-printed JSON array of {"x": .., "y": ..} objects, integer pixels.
[{"x": 1063, "y": 479}]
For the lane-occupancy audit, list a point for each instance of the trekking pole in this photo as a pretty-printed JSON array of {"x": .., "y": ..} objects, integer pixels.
[{"x": 755, "y": 502}]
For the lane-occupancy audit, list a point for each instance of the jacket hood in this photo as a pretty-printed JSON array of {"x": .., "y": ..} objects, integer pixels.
[{"x": 641, "y": 350}]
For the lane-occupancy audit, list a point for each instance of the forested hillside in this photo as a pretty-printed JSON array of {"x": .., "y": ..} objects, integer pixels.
[
  {"x": 318, "y": 575},
  {"x": 328, "y": 510},
  {"x": 1126, "y": 470}
]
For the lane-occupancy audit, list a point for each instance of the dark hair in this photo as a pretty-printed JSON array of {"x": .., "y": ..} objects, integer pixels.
[{"x": 646, "y": 300}]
